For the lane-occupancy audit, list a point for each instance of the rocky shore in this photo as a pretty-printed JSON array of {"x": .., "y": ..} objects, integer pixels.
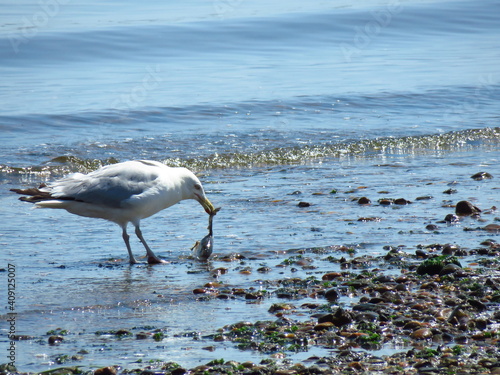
[
  {"x": 429, "y": 309},
  {"x": 439, "y": 316}
]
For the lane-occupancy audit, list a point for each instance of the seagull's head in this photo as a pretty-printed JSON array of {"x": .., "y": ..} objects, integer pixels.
[{"x": 194, "y": 190}]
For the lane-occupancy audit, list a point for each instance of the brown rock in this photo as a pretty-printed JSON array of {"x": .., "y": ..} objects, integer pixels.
[
  {"x": 364, "y": 200},
  {"x": 331, "y": 295},
  {"x": 424, "y": 198},
  {"x": 450, "y": 218},
  {"x": 465, "y": 208},
  {"x": 413, "y": 324},
  {"x": 421, "y": 334},
  {"x": 340, "y": 318},
  {"x": 54, "y": 340},
  {"x": 323, "y": 326},
  {"x": 356, "y": 366},
  {"x": 105, "y": 371},
  {"x": 449, "y": 249},
  {"x": 449, "y": 269},
  {"x": 199, "y": 291},
  {"x": 492, "y": 228},
  {"x": 178, "y": 371},
  {"x": 385, "y": 201},
  {"x": 142, "y": 335},
  {"x": 331, "y": 276},
  {"x": 401, "y": 201},
  {"x": 481, "y": 176}
]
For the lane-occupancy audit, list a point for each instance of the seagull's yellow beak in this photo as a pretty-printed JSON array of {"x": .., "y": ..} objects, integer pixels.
[{"x": 207, "y": 205}]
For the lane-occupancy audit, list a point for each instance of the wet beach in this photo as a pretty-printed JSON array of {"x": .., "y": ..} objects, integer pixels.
[{"x": 341, "y": 289}]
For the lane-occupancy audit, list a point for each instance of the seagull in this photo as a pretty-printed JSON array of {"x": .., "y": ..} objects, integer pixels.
[{"x": 122, "y": 193}]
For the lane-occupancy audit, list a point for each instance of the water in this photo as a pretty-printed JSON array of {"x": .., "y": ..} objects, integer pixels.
[{"x": 270, "y": 104}]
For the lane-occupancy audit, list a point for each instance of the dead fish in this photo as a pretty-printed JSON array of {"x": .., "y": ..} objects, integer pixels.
[{"x": 203, "y": 249}]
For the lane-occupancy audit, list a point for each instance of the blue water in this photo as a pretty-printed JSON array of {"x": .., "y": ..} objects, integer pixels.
[{"x": 260, "y": 100}]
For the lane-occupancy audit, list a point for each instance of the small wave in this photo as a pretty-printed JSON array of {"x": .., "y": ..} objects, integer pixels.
[
  {"x": 412, "y": 145},
  {"x": 451, "y": 141}
]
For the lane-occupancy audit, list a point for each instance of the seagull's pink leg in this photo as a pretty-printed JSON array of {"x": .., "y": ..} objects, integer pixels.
[
  {"x": 126, "y": 238},
  {"x": 152, "y": 258}
]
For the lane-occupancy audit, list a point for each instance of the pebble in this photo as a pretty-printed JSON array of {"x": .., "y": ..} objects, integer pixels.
[
  {"x": 142, "y": 336},
  {"x": 339, "y": 318},
  {"x": 220, "y": 271},
  {"x": 424, "y": 198},
  {"x": 106, "y": 371},
  {"x": 385, "y": 201},
  {"x": 465, "y": 208},
  {"x": 492, "y": 228},
  {"x": 421, "y": 254},
  {"x": 449, "y": 269},
  {"x": 369, "y": 219},
  {"x": 212, "y": 285},
  {"x": 331, "y": 295},
  {"x": 199, "y": 291},
  {"x": 356, "y": 366},
  {"x": 252, "y": 296},
  {"x": 364, "y": 200},
  {"x": 54, "y": 340},
  {"x": 285, "y": 372},
  {"x": 304, "y": 204},
  {"x": 449, "y": 249},
  {"x": 264, "y": 269},
  {"x": 331, "y": 276},
  {"x": 481, "y": 176},
  {"x": 402, "y": 201},
  {"x": 178, "y": 371},
  {"x": 323, "y": 326},
  {"x": 280, "y": 307},
  {"x": 413, "y": 325},
  {"x": 450, "y": 218},
  {"x": 421, "y": 334}
]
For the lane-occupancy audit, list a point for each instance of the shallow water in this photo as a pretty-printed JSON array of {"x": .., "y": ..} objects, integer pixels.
[
  {"x": 270, "y": 105},
  {"x": 260, "y": 219}
]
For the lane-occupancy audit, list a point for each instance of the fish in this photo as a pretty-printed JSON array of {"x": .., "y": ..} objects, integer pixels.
[{"x": 203, "y": 249}]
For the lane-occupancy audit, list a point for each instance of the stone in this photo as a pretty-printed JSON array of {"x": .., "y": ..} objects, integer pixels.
[{"x": 465, "y": 208}]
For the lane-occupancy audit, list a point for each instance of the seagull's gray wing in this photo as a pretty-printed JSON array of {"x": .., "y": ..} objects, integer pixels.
[{"x": 109, "y": 186}]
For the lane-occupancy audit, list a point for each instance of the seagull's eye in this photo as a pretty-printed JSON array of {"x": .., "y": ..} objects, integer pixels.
[{"x": 197, "y": 186}]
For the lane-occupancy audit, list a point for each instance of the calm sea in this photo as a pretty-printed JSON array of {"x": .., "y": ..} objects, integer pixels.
[{"x": 270, "y": 104}]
